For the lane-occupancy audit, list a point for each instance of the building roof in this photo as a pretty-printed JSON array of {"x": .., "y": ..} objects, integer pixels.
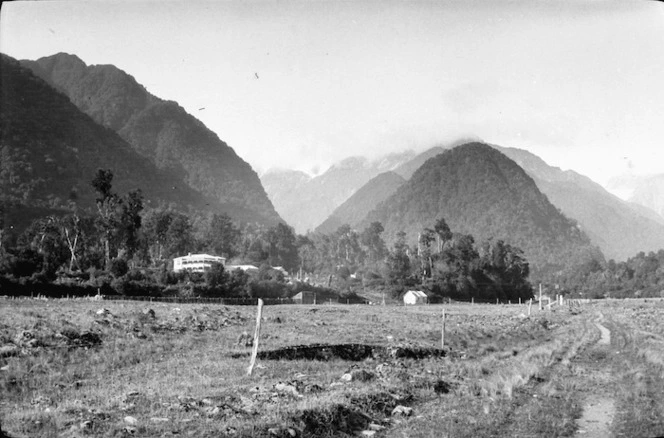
[
  {"x": 243, "y": 267},
  {"x": 199, "y": 256},
  {"x": 417, "y": 293}
]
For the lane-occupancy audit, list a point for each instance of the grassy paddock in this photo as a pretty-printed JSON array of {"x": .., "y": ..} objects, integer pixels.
[{"x": 71, "y": 369}]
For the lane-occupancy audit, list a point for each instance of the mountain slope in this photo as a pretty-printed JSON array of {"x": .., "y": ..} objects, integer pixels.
[
  {"x": 306, "y": 202},
  {"x": 621, "y": 229},
  {"x": 650, "y": 193},
  {"x": 480, "y": 191},
  {"x": 161, "y": 131},
  {"x": 362, "y": 202},
  {"x": 50, "y": 152}
]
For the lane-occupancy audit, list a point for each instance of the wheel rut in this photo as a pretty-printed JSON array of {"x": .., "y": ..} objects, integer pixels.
[{"x": 599, "y": 408}]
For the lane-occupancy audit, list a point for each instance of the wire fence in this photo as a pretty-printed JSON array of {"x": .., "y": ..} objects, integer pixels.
[{"x": 232, "y": 301}]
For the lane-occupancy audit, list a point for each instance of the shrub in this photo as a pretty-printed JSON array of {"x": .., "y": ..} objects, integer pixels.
[{"x": 119, "y": 267}]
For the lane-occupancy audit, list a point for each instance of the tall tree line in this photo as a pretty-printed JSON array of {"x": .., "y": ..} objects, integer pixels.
[{"x": 122, "y": 235}]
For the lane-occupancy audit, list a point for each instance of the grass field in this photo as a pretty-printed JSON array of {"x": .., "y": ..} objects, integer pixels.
[{"x": 74, "y": 368}]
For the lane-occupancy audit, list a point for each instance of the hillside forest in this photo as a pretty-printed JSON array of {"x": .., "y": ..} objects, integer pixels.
[{"x": 124, "y": 248}]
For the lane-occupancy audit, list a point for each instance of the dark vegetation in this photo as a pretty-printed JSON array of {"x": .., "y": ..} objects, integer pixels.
[
  {"x": 50, "y": 151},
  {"x": 163, "y": 133},
  {"x": 639, "y": 276},
  {"x": 126, "y": 249},
  {"x": 481, "y": 192}
]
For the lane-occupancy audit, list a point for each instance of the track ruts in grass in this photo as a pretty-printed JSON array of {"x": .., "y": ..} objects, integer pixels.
[
  {"x": 639, "y": 387},
  {"x": 542, "y": 407}
]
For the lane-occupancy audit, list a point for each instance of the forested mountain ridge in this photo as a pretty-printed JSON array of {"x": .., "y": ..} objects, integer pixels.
[
  {"x": 480, "y": 191},
  {"x": 305, "y": 202},
  {"x": 50, "y": 151},
  {"x": 356, "y": 208},
  {"x": 161, "y": 131},
  {"x": 621, "y": 229}
]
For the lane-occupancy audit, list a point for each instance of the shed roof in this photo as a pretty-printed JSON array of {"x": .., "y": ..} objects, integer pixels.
[{"x": 417, "y": 293}]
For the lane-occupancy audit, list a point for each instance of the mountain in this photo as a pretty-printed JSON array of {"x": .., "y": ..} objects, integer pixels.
[
  {"x": 50, "y": 152},
  {"x": 161, "y": 131},
  {"x": 621, "y": 229},
  {"x": 362, "y": 202},
  {"x": 644, "y": 190},
  {"x": 625, "y": 185},
  {"x": 479, "y": 190},
  {"x": 649, "y": 192},
  {"x": 305, "y": 202}
]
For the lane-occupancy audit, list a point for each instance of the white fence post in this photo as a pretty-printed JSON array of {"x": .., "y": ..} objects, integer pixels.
[
  {"x": 442, "y": 332},
  {"x": 257, "y": 333}
]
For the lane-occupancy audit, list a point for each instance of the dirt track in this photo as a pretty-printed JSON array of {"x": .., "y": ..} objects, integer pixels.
[{"x": 599, "y": 406}]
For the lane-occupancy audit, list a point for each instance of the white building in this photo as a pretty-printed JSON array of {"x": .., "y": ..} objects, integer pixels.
[
  {"x": 196, "y": 262},
  {"x": 415, "y": 297}
]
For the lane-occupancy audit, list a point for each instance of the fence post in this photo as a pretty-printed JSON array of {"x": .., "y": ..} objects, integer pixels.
[
  {"x": 530, "y": 304},
  {"x": 442, "y": 332},
  {"x": 540, "y": 296},
  {"x": 257, "y": 332}
]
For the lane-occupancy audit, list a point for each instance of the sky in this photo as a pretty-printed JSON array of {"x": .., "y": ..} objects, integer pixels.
[{"x": 304, "y": 84}]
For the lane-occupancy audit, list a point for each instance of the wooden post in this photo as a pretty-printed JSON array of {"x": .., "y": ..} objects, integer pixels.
[
  {"x": 530, "y": 304},
  {"x": 472, "y": 300},
  {"x": 540, "y": 297},
  {"x": 257, "y": 333},
  {"x": 442, "y": 332},
  {"x": 519, "y": 301}
]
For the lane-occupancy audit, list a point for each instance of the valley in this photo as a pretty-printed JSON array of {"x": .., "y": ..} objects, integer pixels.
[{"x": 331, "y": 219}]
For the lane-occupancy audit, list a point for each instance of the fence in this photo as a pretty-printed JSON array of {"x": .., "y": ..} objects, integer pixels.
[{"x": 236, "y": 301}]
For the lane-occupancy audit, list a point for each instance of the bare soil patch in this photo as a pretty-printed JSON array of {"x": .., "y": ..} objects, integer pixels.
[{"x": 350, "y": 352}]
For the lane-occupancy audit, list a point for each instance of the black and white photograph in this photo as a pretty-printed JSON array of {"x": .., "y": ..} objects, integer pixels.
[{"x": 332, "y": 218}]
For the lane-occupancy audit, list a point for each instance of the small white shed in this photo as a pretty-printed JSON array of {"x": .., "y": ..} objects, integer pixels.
[{"x": 415, "y": 297}]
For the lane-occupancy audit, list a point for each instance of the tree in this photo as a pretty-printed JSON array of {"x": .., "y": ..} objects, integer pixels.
[
  {"x": 71, "y": 230},
  {"x": 373, "y": 243},
  {"x": 348, "y": 250},
  {"x": 107, "y": 203},
  {"x": 155, "y": 231},
  {"x": 443, "y": 233},
  {"x": 425, "y": 239},
  {"x": 216, "y": 277},
  {"x": 505, "y": 270},
  {"x": 130, "y": 221},
  {"x": 43, "y": 235},
  {"x": 283, "y": 251},
  {"x": 457, "y": 263},
  {"x": 179, "y": 236},
  {"x": 398, "y": 262},
  {"x": 222, "y": 236},
  {"x": 307, "y": 254}
]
